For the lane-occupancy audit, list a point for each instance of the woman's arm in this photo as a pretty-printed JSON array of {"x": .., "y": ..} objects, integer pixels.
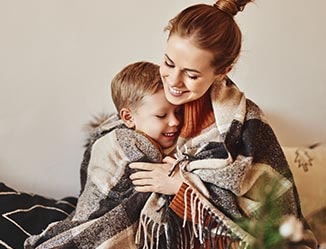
[{"x": 154, "y": 177}]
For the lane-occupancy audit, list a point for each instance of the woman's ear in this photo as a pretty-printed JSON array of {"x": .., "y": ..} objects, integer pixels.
[
  {"x": 222, "y": 75},
  {"x": 127, "y": 118},
  {"x": 228, "y": 69}
]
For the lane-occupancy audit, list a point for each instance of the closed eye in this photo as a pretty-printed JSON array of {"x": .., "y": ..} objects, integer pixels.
[
  {"x": 160, "y": 116},
  {"x": 168, "y": 64},
  {"x": 192, "y": 77}
]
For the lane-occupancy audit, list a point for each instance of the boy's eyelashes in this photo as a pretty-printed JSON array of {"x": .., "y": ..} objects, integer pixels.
[{"x": 161, "y": 116}]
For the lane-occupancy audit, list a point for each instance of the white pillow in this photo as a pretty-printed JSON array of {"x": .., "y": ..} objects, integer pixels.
[{"x": 308, "y": 166}]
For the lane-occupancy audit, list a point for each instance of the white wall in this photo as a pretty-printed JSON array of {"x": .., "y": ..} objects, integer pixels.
[{"x": 57, "y": 59}]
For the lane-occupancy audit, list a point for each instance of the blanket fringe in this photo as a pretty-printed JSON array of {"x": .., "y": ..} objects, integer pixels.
[
  {"x": 149, "y": 232},
  {"x": 207, "y": 225}
]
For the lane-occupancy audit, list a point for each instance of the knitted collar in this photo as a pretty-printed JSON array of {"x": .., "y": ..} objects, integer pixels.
[{"x": 198, "y": 115}]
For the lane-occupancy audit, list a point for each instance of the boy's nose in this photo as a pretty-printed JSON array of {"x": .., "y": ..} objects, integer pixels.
[{"x": 174, "y": 121}]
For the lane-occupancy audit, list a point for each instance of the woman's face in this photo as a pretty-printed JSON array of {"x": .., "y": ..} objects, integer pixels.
[{"x": 186, "y": 71}]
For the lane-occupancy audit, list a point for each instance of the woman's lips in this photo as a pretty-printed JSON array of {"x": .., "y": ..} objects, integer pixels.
[{"x": 175, "y": 92}]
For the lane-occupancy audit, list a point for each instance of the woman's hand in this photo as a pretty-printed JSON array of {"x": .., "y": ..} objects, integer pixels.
[{"x": 153, "y": 177}]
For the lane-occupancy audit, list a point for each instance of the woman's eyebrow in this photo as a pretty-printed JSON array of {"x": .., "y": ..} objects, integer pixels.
[
  {"x": 184, "y": 69},
  {"x": 191, "y": 70}
]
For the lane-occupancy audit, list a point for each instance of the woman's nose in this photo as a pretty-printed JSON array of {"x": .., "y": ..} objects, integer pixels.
[{"x": 175, "y": 78}]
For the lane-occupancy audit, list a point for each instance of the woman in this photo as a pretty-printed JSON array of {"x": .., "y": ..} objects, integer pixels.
[{"x": 228, "y": 152}]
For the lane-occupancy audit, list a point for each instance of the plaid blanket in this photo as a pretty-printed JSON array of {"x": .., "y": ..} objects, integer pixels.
[
  {"x": 224, "y": 168},
  {"x": 227, "y": 168},
  {"x": 108, "y": 208}
]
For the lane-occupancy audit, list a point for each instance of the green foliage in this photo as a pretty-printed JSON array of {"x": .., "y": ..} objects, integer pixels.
[{"x": 265, "y": 226}]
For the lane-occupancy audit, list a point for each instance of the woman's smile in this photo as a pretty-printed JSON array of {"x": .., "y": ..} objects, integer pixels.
[{"x": 175, "y": 92}]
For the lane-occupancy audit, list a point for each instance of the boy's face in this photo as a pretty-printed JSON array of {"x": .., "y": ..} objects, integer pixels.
[{"x": 159, "y": 119}]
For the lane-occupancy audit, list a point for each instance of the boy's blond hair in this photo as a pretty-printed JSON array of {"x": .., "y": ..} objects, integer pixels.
[{"x": 134, "y": 82}]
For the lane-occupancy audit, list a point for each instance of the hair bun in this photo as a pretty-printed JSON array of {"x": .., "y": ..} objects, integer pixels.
[{"x": 231, "y": 7}]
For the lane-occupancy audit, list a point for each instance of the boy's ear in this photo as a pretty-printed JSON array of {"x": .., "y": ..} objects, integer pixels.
[{"x": 127, "y": 118}]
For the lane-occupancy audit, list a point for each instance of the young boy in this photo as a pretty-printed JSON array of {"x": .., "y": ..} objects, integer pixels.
[{"x": 145, "y": 129}]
